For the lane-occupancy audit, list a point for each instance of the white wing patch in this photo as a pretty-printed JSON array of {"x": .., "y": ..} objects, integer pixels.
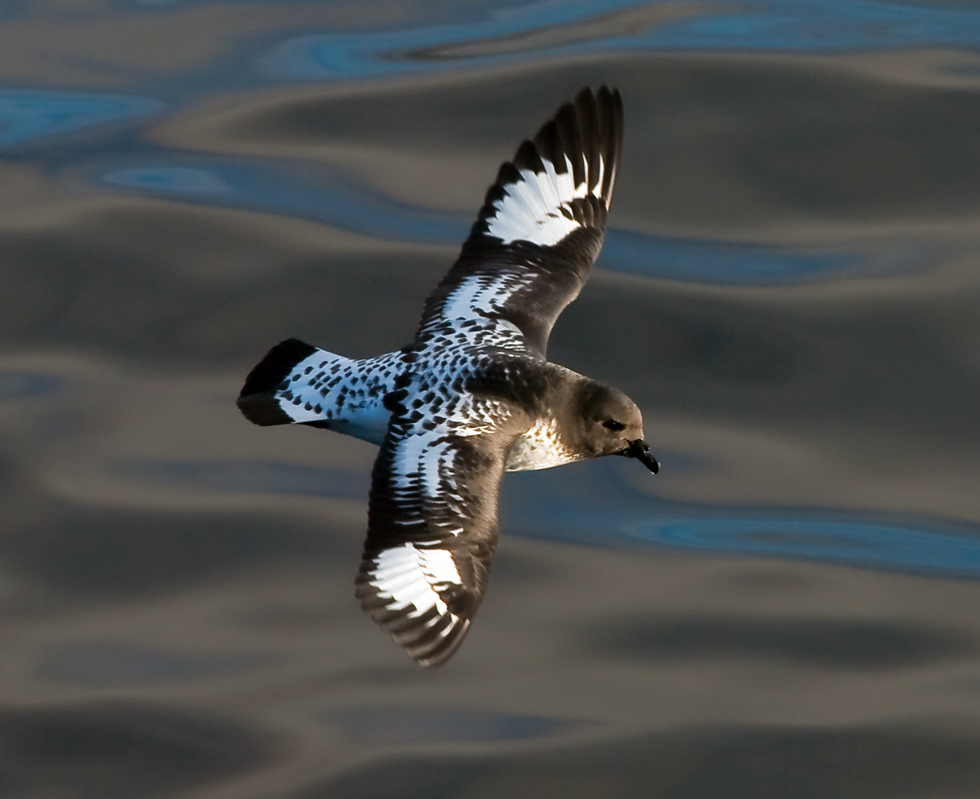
[
  {"x": 483, "y": 294},
  {"x": 411, "y": 576},
  {"x": 536, "y": 208},
  {"x": 426, "y": 460},
  {"x": 479, "y": 298}
]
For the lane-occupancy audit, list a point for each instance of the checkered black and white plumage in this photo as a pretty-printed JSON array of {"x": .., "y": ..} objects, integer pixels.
[{"x": 473, "y": 395}]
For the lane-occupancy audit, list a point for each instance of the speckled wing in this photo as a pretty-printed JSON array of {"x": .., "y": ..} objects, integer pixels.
[
  {"x": 432, "y": 532},
  {"x": 539, "y": 231}
]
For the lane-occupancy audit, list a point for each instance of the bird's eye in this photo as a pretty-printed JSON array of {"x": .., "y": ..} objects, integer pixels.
[{"x": 612, "y": 424}]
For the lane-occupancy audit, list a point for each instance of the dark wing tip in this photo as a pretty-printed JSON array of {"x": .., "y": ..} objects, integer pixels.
[
  {"x": 591, "y": 125},
  {"x": 602, "y": 112},
  {"x": 610, "y": 105},
  {"x": 445, "y": 648}
]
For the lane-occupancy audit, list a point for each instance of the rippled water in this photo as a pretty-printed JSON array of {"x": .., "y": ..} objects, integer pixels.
[{"x": 789, "y": 289}]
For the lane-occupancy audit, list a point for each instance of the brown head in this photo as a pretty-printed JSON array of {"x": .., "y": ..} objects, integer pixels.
[{"x": 607, "y": 422}]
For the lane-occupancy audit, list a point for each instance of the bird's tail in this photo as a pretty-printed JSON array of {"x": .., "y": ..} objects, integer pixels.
[{"x": 286, "y": 387}]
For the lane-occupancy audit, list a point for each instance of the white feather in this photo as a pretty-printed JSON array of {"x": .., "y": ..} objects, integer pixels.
[
  {"x": 479, "y": 294},
  {"x": 410, "y": 575},
  {"x": 531, "y": 209}
]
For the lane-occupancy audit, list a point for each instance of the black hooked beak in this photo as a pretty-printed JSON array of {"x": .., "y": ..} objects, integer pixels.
[{"x": 638, "y": 449}]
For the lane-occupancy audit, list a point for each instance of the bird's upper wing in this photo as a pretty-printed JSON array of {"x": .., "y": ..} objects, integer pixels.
[
  {"x": 432, "y": 527},
  {"x": 538, "y": 233}
]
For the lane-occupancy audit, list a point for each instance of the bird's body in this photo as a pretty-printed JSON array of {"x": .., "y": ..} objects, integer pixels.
[{"x": 473, "y": 395}]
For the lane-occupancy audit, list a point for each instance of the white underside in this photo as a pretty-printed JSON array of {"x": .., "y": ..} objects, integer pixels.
[
  {"x": 368, "y": 423},
  {"x": 539, "y": 448}
]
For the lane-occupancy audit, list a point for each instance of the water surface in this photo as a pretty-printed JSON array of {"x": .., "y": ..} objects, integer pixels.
[{"x": 788, "y": 289}]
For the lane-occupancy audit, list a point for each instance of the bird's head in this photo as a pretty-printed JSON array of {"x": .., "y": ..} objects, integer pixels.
[{"x": 611, "y": 424}]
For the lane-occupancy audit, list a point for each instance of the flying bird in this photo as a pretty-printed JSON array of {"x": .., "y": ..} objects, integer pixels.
[{"x": 473, "y": 395}]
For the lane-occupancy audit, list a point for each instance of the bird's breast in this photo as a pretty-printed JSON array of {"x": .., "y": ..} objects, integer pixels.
[{"x": 541, "y": 447}]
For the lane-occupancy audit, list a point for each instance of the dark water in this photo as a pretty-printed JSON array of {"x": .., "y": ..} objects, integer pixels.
[{"x": 790, "y": 290}]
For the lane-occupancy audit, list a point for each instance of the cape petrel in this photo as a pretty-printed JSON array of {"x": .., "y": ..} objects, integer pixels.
[{"x": 473, "y": 395}]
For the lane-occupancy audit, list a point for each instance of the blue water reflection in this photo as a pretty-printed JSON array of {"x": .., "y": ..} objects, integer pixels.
[
  {"x": 328, "y": 198},
  {"x": 738, "y": 264},
  {"x": 868, "y": 542},
  {"x": 871, "y": 543},
  {"x": 724, "y": 263},
  {"x": 18, "y": 384},
  {"x": 598, "y": 507},
  {"x": 170, "y": 179},
  {"x": 809, "y": 25},
  {"x": 549, "y": 29},
  {"x": 27, "y": 115},
  {"x": 342, "y": 203}
]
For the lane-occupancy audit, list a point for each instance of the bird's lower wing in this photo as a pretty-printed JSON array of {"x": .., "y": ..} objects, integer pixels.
[{"x": 432, "y": 534}]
